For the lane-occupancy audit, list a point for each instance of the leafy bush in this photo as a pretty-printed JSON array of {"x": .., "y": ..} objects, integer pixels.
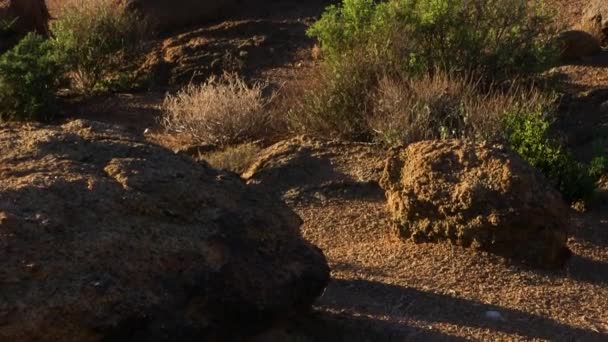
[
  {"x": 29, "y": 75},
  {"x": 497, "y": 38},
  {"x": 413, "y": 45},
  {"x": 528, "y": 135},
  {"x": 97, "y": 36},
  {"x": 222, "y": 111}
]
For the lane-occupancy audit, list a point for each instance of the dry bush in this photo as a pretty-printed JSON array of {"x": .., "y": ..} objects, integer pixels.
[
  {"x": 336, "y": 101},
  {"x": 445, "y": 106},
  {"x": 233, "y": 158},
  {"x": 222, "y": 111}
]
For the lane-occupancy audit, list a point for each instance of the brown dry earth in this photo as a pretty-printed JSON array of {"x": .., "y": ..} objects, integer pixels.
[
  {"x": 384, "y": 289},
  {"x": 403, "y": 290}
]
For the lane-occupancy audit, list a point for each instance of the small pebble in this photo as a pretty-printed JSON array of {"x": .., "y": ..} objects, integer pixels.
[{"x": 494, "y": 315}]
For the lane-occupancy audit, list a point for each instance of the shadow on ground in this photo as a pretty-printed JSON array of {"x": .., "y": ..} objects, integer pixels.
[{"x": 398, "y": 304}]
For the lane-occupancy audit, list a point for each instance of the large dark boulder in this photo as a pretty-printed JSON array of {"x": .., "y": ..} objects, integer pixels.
[
  {"x": 478, "y": 196},
  {"x": 104, "y": 237}
]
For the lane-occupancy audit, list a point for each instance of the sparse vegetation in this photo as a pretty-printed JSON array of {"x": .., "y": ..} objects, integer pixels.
[
  {"x": 528, "y": 135},
  {"x": 233, "y": 158},
  {"x": 222, "y": 111},
  {"x": 29, "y": 75},
  {"x": 98, "y": 36},
  {"x": 492, "y": 38},
  {"x": 336, "y": 104},
  {"x": 443, "y": 106},
  {"x": 370, "y": 46}
]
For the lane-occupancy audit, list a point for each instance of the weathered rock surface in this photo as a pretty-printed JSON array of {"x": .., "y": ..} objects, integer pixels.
[
  {"x": 480, "y": 196},
  {"x": 309, "y": 166},
  {"x": 166, "y": 15},
  {"x": 19, "y": 17},
  {"x": 104, "y": 237},
  {"x": 595, "y": 20}
]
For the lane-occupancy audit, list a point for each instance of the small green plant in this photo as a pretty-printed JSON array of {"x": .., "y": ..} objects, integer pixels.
[
  {"x": 529, "y": 137},
  {"x": 29, "y": 75},
  {"x": 598, "y": 167},
  {"x": 98, "y": 36}
]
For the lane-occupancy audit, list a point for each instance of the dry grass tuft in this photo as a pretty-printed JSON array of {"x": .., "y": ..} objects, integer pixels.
[
  {"x": 222, "y": 111},
  {"x": 441, "y": 105},
  {"x": 233, "y": 158}
]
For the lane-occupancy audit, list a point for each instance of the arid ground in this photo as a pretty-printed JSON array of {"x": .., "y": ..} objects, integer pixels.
[{"x": 384, "y": 289}]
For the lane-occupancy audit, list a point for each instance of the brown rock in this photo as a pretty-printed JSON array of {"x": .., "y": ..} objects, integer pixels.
[
  {"x": 106, "y": 237},
  {"x": 473, "y": 195},
  {"x": 595, "y": 20},
  {"x": 308, "y": 165},
  {"x": 578, "y": 44}
]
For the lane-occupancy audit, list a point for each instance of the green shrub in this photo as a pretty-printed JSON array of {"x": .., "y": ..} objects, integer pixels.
[
  {"x": 29, "y": 75},
  {"x": 336, "y": 103},
  {"x": 420, "y": 41},
  {"x": 496, "y": 38},
  {"x": 598, "y": 167},
  {"x": 98, "y": 36},
  {"x": 528, "y": 135}
]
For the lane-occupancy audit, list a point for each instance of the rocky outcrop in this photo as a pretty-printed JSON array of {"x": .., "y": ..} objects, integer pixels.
[
  {"x": 595, "y": 20},
  {"x": 302, "y": 165},
  {"x": 167, "y": 15},
  {"x": 476, "y": 195},
  {"x": 104, "y": 237}
]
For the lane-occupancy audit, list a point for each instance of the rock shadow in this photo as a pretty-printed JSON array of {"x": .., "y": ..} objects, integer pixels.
[{"x": 396, "y": 303}]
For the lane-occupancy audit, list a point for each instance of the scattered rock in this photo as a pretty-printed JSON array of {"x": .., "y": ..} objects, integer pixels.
[
  {"x": 578, "y": 44},
  {"x": 476, "y": 195},
  {"x": 595, "y": 20},
  {"x": 104, "y": 237},
  {"x": 304, "y": 165}
]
